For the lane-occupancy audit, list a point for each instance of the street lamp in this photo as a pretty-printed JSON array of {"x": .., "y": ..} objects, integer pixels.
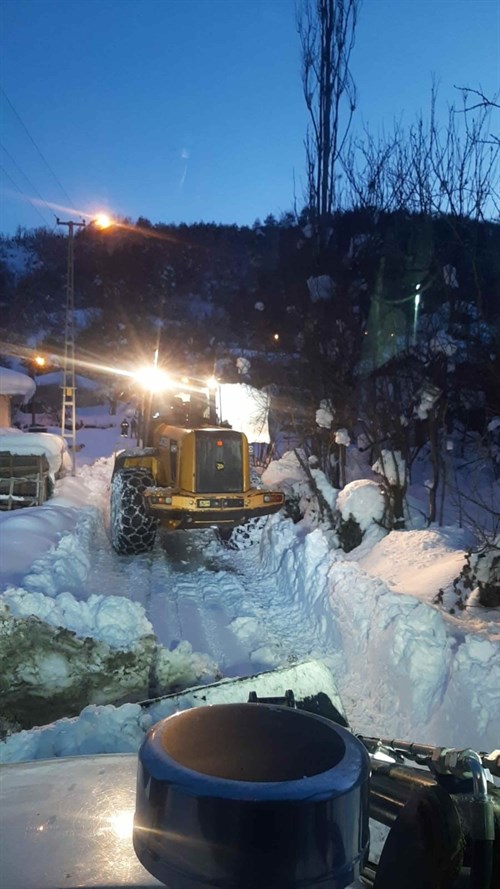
[
  {"x": 37, "y": 362},
  {"x": 69, "y": 382},
  {"x": 102, "y": 221}
]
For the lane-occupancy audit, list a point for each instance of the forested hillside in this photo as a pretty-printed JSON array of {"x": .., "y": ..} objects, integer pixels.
[{"x": 212, "y": 287}]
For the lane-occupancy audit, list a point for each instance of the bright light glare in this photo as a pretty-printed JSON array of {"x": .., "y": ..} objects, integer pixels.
[
  {"x": 102, "y": 221},
  {"x": 153, "y": 379},
  {"x": 40, "y": 361},
  {"x": 212, "y": 383},
  {"x": 122, "y": 823}
]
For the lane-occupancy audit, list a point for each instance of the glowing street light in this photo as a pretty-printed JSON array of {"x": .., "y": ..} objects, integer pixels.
[
  {"x": 36, "y": 362},
  {"x": 102, "y": 220}
]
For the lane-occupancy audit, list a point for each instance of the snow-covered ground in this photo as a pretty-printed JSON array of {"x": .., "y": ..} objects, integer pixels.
[{"x": 194, "y": 610}]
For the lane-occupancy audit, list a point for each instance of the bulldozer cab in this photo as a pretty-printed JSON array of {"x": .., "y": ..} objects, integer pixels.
[{"x": 190, "y": 409}]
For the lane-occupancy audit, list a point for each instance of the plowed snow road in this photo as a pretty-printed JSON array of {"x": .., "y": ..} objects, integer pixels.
[{"x": 193, "y": 588}]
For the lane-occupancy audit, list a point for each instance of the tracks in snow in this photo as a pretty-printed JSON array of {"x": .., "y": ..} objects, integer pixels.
[{"x": 193, "y": 588}]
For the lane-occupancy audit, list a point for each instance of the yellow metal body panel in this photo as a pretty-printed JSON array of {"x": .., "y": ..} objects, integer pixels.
[
  {"x": 183, "y": 475},
  {"x": 174, "y": 500}
]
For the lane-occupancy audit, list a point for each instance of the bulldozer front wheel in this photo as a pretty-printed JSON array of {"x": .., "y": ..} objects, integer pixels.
[{"x": 132, "y": 530}]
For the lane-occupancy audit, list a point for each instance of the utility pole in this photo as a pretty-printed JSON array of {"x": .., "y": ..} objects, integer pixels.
[{"x": 69, "y": 383}]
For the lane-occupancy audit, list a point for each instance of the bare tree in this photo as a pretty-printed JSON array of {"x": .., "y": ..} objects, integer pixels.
[
  {"x": 479, "y": 99},
  {"x": 327, "y": 31},
  {"x": 449, "y": 169}
]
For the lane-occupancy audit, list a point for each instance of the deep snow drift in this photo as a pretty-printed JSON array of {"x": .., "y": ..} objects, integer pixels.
[{"x": 403, "y": 664}]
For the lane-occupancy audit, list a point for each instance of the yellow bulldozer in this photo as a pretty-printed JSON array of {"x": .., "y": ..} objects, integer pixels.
[{"x": 190, "y": 472}]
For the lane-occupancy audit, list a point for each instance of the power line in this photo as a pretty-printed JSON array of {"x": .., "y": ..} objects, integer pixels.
[
  {"x": 37, "y": 148},
  {"x": 16, "y": 186},
  {"x": 27, "y": 179}
]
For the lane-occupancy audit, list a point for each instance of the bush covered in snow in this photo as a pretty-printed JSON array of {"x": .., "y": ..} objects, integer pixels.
[
  {"x": 308, "y": 493},
  {"x": 361, "y": 506},
  {"x": 482, "y": 571},
  {"x": 357, "y": 511}
]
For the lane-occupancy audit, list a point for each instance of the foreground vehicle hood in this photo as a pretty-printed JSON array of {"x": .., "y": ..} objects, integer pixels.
[{"x": 68, "y": 823}]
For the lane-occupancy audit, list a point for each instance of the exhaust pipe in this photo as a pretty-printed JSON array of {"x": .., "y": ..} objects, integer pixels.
[{"x": 239, "y": 796}]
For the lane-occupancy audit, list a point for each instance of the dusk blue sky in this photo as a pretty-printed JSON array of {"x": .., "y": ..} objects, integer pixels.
[{"x": 192, "y": 110}]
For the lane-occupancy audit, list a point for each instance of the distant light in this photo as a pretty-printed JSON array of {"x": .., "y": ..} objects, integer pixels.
[
  {"x": 102, "y": 221},
  {"x": 153, "y": 379},
  {"x": 417, "y": 300},
  {"x": 418, "y": 287},
  {"x": 40, "y": 361},
  {"x": 276, "y": 337}
]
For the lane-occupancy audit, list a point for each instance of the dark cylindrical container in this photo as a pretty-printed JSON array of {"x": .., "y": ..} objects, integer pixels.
[{"x": 251, "y": 796}]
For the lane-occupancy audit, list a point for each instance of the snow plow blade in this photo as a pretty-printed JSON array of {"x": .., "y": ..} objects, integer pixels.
[{"x": 312, "y": 683}]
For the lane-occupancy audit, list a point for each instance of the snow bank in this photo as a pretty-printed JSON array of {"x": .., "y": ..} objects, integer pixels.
[
  {"x": 284, "y": 473},
  {"x": 110, "y": 619},
  {"x": 404, "y": 668}
]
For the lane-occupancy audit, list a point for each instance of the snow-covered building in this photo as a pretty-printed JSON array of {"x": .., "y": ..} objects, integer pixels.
[{"x": 13, "y": 384}]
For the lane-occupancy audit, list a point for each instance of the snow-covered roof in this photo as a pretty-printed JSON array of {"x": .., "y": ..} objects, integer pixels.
[
  {"x": 14, "y": 383},
  {"x": 55, "y": 378}
]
